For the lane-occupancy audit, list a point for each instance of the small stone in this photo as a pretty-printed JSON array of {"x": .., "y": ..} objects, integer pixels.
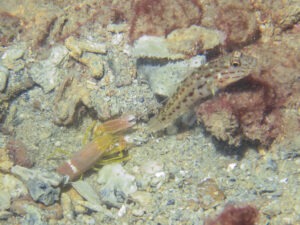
[
  {"x": 52, "y": 178},
  {"x": 77, "y": 47},
  {"x": 3, "y": 78},
  {"x": 12, "y": 57},
  {"x": 117, "y": 28},
  {"x": 76, "y": 199},
  {"x": 43, "y": 192},
  {"x": 94, "y": 63},
  {"x": 13, "y": 186},
  {"x": 86, "y": 219},
  {"x": 4, "y": 200},
  {"x": 19, "y": 207},
  {"x": 209, "y": 193},
  {"x": 171, "y": 202},
  {"x": 86, "y": 191},
  {"x": 4, "y": 215},
  {"x": 67, "y": 206},
  {"x": 122, "y": 211},
  {"x": 142, "y": 198},
  {"x": 5, "y": 162},
  {"x": 138, "y": 212},
  {"x": 58, "y": 56},
  {"x": 164, "y": 78},
  {"x": 33, "y": 216},
  {"x": 46, "y": 73},
  {"x": 154, "y": 47},
  {"x": 117, "y": 184}
]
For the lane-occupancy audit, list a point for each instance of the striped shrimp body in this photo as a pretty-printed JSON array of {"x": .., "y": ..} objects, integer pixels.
[
  {"x": 107, "y": 143},
  {"x": 202, "y": 84}
]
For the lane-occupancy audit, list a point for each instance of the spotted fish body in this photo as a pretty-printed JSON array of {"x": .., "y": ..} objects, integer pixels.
[{"x": 202, "y": 84}]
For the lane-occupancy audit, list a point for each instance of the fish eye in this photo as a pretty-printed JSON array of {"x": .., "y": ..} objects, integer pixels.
[{"x": 235, "y": 63}]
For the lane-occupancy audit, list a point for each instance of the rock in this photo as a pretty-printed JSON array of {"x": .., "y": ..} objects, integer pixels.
[
  {"x": 117, "y": 184},
  {"x": 13, "y": 186},
  {"x": 52, "y": 178},
  {"x": 3, "y": 78},
  {"x": 194, "y": 40},
  {"x": 94, "y": 63},
  {"x": 4, "y": 200},
  {"x": 154, "y": 47},
  {"x": 4, "y": 215},
  {"x": 5, "y": 162},
  {"x": 46, "y": 73},
  {"x": 20, "y": 206},
  {"x": 117, "y": 28},
  {"x": 33, "y": 216},
  {"x": 77, "y": 47},
  {"x": 67, "y": 206},
  {"x": 209, "y": 194},
  {"x": 42, "y": 184},
  {"x": 86, "y": 191},
  {"x": 75, "y": 197},
  {"x": 143, "y": 198},
  {"x": 43, "y": 192},
  {"x": 138, "y": 212},
  {"x": 151, "y": 174},
  {"x": 58, "y": 56},
  {"x": 86, "y": 52},
  {"x": 123, "y": 67},
  {"x": 12, "y": 57},
  {"x": 180, "y": 44},
  {"x": 165, "y": 77},
  {"x": 69, "y": 96}
]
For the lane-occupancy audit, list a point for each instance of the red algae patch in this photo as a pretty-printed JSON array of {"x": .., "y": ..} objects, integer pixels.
[
  {"x": 160, "y": 17},
  {"x": 261, "y": 108},
  {"x": 235, "y": 215}
]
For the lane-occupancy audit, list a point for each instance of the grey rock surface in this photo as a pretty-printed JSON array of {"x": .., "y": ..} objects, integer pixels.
[{"x": 43, "y": 192}]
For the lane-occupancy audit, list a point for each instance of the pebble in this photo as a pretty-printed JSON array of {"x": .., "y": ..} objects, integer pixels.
[
  {"x": 4, "y": 200},
  {"x": 43, "y": 192},
  {"x": 3, "y": 78},
  {"x": 33, "y": 216},
  {"x": 143, "y": 198},
  {"x": 47, "y": 73},
  {"x": 12, "y": 57},
  {"x": 117, "y": 184},
  {"x": 138, "y": 212},
  {"x": 122, "y": 211},
  {"x": 4, "y": 215},
  {"x": 11, "y": 185},
  {"x": 85, "y": 219},
  {"x": 164, "y": 78},
  {"x": 19, "y": 207},
  {"x": 86, "y": 191},
  {"x": 52, "y": 178},
  {"x": 67, "y": 206}
]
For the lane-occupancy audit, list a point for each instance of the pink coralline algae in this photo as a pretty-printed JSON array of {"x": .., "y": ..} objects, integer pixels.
[
  {"x": 235, "y": 215},
  {"x": 264, "y": 107}
]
